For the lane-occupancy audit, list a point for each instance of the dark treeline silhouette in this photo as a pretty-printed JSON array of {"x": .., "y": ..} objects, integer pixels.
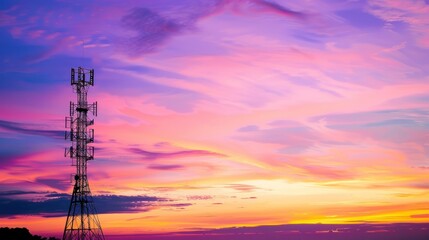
[{"x": 20, "y": 234}]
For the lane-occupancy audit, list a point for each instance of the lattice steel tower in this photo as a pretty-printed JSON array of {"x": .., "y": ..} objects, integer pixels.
[{"x": 82, "y": 221}]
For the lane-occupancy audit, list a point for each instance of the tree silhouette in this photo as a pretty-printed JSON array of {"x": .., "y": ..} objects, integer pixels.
[{"x": 20, "y": 234}]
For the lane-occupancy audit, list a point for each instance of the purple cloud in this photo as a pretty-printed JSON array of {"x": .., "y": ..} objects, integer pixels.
[
  {"x": 26, "y": 129},
  {"x": 17, "y": 193},
  {"x": 242, "y": 187},
  {"x": 51, "y": 204},
  {"x": 295, "y": 137},
  {"x": 248, "y": 128},
  {"x": 9, "y": 158},
  {"x": 153, "y": 28},
  {"x": 59, "y": 184},
  {"x": 273, "y": 7},
  {"x": 165, "y": 166},
  {"x": 147, "y": 155},
  {"x": 395, "y": 126},
  {"x": 416, "y": 98},
  {"x": 199, "y": 197}
]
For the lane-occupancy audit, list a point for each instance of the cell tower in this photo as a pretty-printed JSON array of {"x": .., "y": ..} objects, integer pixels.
[{"x": 82, "y": 221}]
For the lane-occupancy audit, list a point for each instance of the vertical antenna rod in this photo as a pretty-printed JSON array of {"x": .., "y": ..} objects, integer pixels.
[{"x": 82, "y": 221}]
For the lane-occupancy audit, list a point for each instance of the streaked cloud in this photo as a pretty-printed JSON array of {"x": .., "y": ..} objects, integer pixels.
[
  {"x": 147, "y": 155},
  {"x": 54, "y": 204},
  {"x": 28, "y": 129}
]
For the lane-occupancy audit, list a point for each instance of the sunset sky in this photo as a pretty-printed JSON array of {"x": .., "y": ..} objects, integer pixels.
[{"x": 218, "y": 113}]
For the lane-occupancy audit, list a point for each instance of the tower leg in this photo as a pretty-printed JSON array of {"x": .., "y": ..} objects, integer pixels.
[{"x": 82, "y": 222}]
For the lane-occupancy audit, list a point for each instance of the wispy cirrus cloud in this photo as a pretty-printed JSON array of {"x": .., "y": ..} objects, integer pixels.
[
  {"x": 165, "y": 166},
  {"x": 273, "y": 7},
  {"x": 56, "y": 183},
  {"x": 414, "y": 13},
  {"x": 29, "y": 129},
  {"x": 242, "y": 187},
  {"x": 151, "y": 155},
  {"x": 324, "y": 172},
  {"x": 199, "y": 197},
  {"x": 17, "y": 193},
  {"x": 292, "y": 136},
  {"x": 154, "y": 28},
  {"x": 396, "y": 126}
]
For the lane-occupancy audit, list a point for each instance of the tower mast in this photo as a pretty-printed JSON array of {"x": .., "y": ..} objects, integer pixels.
[{"x": 82, "y": 221}]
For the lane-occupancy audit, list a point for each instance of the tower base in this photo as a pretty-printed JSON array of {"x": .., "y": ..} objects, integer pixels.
[{"x": 82, "y": 220}]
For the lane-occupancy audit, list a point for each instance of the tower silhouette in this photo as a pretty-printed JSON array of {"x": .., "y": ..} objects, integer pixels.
[{"x": 82, "y": 221}]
